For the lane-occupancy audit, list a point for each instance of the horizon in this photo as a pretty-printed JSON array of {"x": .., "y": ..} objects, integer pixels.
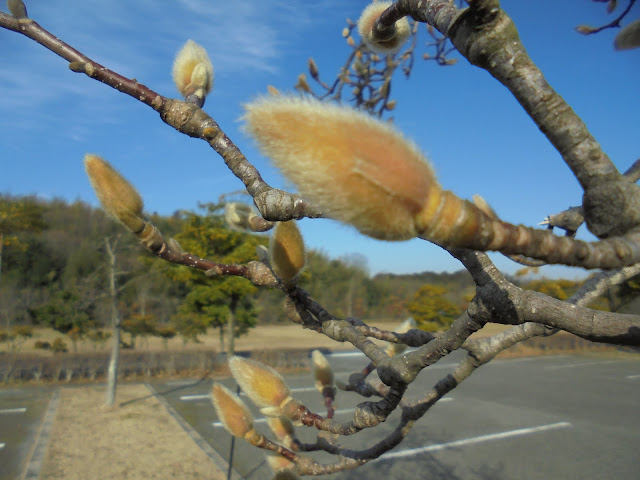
[{"x": 477, "y": 136}]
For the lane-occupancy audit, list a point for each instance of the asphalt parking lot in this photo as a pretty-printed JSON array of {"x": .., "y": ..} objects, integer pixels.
[
  {"x": 22, "y": 412},
  {"x": 535, "y": 418}
]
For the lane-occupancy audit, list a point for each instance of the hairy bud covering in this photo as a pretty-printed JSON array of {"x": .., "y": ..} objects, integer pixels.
[
  {"x": 397, "y": 348},
  {"x": 193, "y": 72},
  {"x": 287, "y": 251},
  {"x": 231, "y": 411},
  {"x": 264, "y": 386},
  {"x": 117, "y": 195},
  {"x": 322, "y": 371},
  {"x": 355, "y": 168},
  {"x": 367, "y": 21},
  {"x": 282, "y": 428}
]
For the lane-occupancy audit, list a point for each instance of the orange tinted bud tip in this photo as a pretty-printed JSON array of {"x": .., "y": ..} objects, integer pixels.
[
  {"x": 117, "y": 196},
  {"x": 231, "y": 411},
  {"x": 287, "y": 251},
  {"x": 264, "y": 386},
  {"x": 355, "y": 168}
]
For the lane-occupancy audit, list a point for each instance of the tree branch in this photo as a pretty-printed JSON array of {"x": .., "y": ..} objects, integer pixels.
[
  {"x": 487, "y": 37},
  {"x": 187, "y": 118}
]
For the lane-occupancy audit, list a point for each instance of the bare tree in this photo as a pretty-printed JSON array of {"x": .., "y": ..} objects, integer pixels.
[{"x": 402, "y": 200}]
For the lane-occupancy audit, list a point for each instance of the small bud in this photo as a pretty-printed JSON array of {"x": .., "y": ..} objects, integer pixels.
[
  {"x": 237, "y": 214},
  {"x": 280, "y": 464},
  {"x": 451, "y": 61},
  {"x": 273, "y": 90},
  {"x": 628, "y": 37},
  {"x": 611, "y": 6},
  {"x": 17, "y": 8},
  {"x": 355, "y": 168},
  {"x": 584, "y": 29},
  {"x": 367, "y": 22},
  {"x": 174, "y": 245},
  {"x": 391, "y": 105},
  {"x": 264, "y": 386},
  {"x": 262, "y": 253},
  {"x": 482, "y": 204},
  {"x": 351, "y": 42},
  {"x": 287, "y": 251},
  {"x": 397, "y": 348},
  {"x": 313, "y": 69},
  {"x": 193, "y": 73},
  {"x": 345, "y": 32},
  {"x": 322, "y": 372},
  {"x": 282, "y": 428},
  {"x": 231, "y": 411},
  {"x": 384, "y": 89},
  {"x": 302, "y": 84},
  {"x": 117, "y": 196}
]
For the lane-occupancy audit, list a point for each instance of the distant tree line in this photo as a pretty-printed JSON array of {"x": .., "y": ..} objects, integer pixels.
[{"x": 53, "y": 274}]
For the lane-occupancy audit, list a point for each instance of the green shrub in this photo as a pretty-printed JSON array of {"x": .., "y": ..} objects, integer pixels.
[
  {"x": 59, "y": 346},
  {"x": 42, "y": 345}
]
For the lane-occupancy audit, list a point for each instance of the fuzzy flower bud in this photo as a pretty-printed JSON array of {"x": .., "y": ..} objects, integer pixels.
[
  {"x": 397, "y": 348},
  {"x": 399, "y": 33},
  {"x": 280, "y": 464},
  {"x": 117, "y": 196},
  {"x": 237, "y": 214},
  {"x": 232, "y": 411},
  {"x": 628, "y": 37},
  {"x": 322, "y": 372},
  {"x": 264, "y": 386},
  {"x": 357, "y": 169},
  {"x": 282, "y": 428},
  {"x": 17, "y": 8},
  {"x": 287, "y": 251},
  {"x": 193, "y": 73}
]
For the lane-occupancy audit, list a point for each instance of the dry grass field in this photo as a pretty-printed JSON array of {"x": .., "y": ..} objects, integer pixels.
[
  {"x": 137, "y": 441},
  {"x": 263, "y": 337}
]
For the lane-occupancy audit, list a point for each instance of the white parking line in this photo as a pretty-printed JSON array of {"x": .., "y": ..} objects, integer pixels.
[
  {"x": 633, "y": 377},
  {"x": 206, "y": 396},
  {"x": 472, "y": 440},
  {"x": 13, "y": 410},
  {"x": 580, "y": 364},
  {"x": 344, "y": 354}
]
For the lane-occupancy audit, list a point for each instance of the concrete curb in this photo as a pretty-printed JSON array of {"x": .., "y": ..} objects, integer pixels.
[
  {"x": 34, "y": 464},
  {"x": 220, "y": 462}
]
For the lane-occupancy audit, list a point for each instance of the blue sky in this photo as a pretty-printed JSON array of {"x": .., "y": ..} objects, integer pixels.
[{"x": 477, "y": 136}]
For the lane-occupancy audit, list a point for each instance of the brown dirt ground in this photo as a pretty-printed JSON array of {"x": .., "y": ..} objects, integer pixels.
[{"x": 137, "y": 441}]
